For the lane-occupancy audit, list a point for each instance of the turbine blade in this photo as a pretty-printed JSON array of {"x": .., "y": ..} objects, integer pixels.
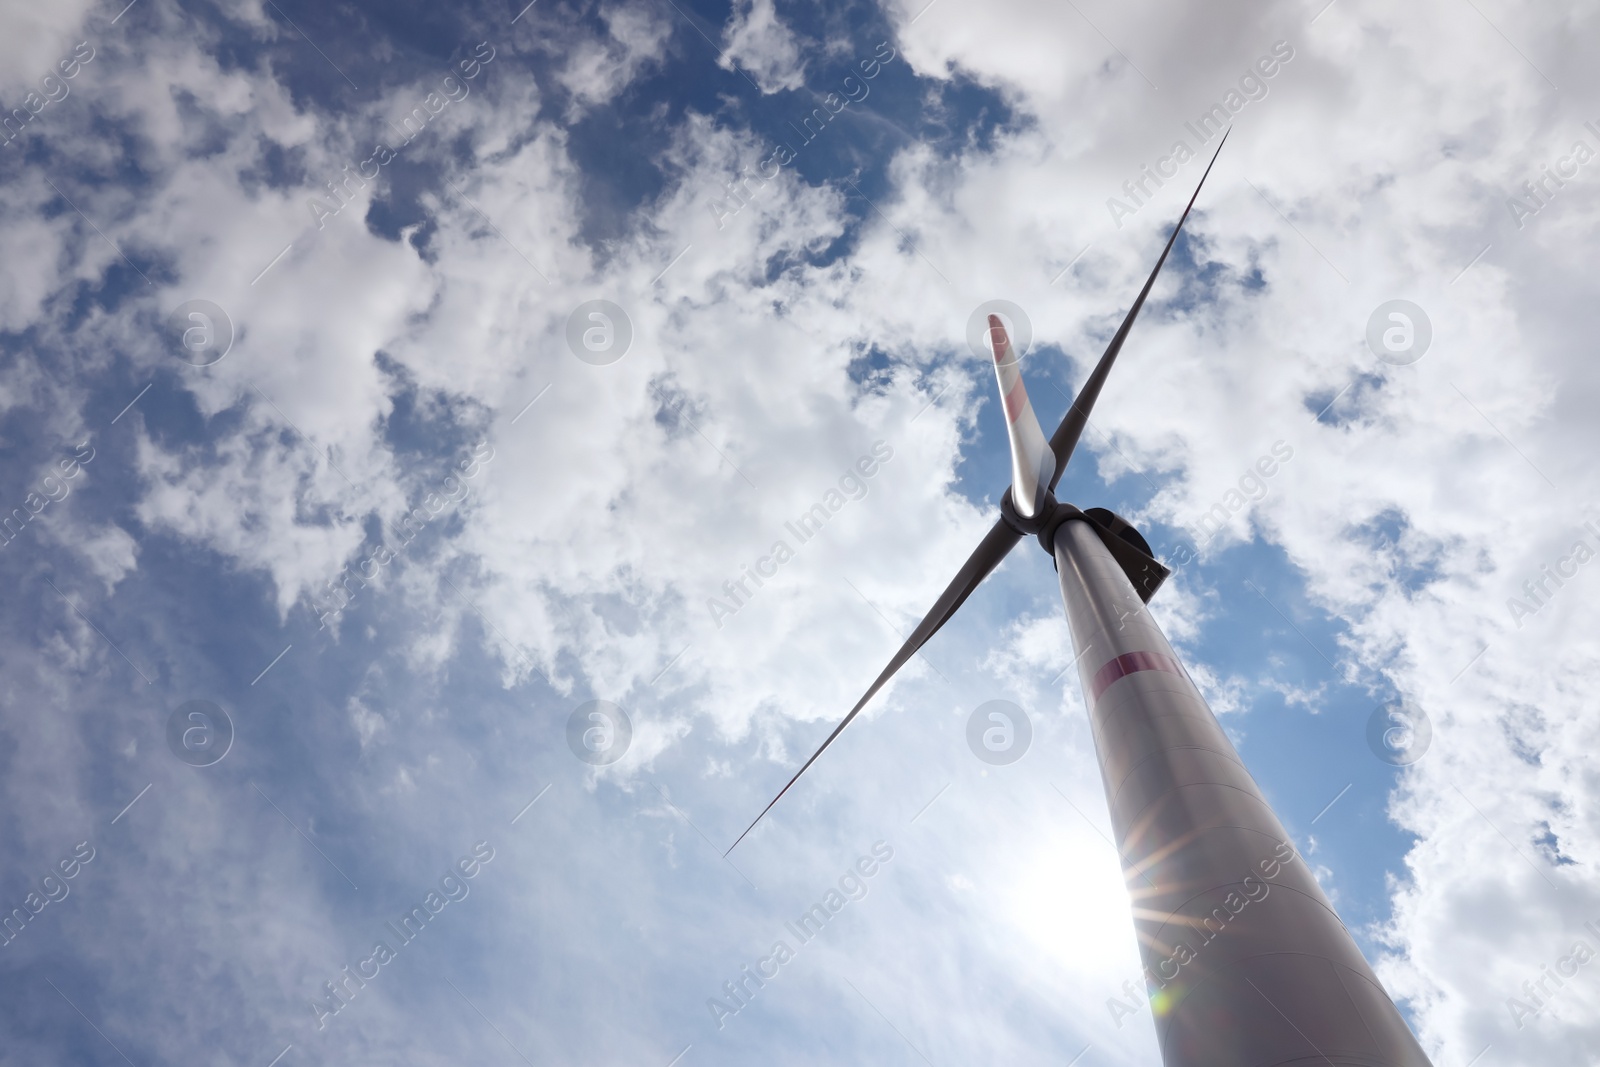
[
  {"x": 1032, "y": 462},
  {"x": 986, "y": 557},
  {"x": 1065, "y": 439}
]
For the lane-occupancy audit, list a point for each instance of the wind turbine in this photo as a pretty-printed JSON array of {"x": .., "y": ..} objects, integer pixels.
[{"x": 1246, "y": 962}]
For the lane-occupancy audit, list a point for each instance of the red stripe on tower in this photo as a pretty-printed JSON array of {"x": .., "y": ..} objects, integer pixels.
[{"x": 1132, "y": 663}]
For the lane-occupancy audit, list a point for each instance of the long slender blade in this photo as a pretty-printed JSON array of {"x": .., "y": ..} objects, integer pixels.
[
  {"x": 1065, "y": 439},
  {"x": 1032, "y": 462},
  {"x": 986, "y": 557}
]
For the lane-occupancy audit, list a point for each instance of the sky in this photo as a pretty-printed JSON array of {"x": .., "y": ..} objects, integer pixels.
[{"x": 394, "y": 397}]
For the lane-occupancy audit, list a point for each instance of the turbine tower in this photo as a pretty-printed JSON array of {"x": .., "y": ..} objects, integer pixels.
[{"x": 1246, "y": 962}]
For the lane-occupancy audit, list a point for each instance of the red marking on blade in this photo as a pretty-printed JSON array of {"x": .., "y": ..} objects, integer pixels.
[
  {"x": 1015, "y": 401},
  {"x": 997, "y": 337},
  {"x": 1132, "y": 663}
]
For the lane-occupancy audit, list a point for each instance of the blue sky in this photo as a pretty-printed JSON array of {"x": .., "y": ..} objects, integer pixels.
[{"x": 382, "y": 352}]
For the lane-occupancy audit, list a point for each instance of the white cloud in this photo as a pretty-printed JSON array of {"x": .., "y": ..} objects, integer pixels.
[
  {"x": 1391, "y": 173},
  {"x": 111, "y": 553},
  {"x": 37, "y": 39},
  {"x": 630, "y": 493},
  {"x": 757, "y": 41},
  {"x": 597, "y": 69}
]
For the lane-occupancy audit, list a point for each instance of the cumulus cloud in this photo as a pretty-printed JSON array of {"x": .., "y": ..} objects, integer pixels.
[
  {"x": 376, "y": 345},
  {"x": 758, "y": 41},
  {"x": 1339, "y": 210},
  {"x": 597, "y": 69}
]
